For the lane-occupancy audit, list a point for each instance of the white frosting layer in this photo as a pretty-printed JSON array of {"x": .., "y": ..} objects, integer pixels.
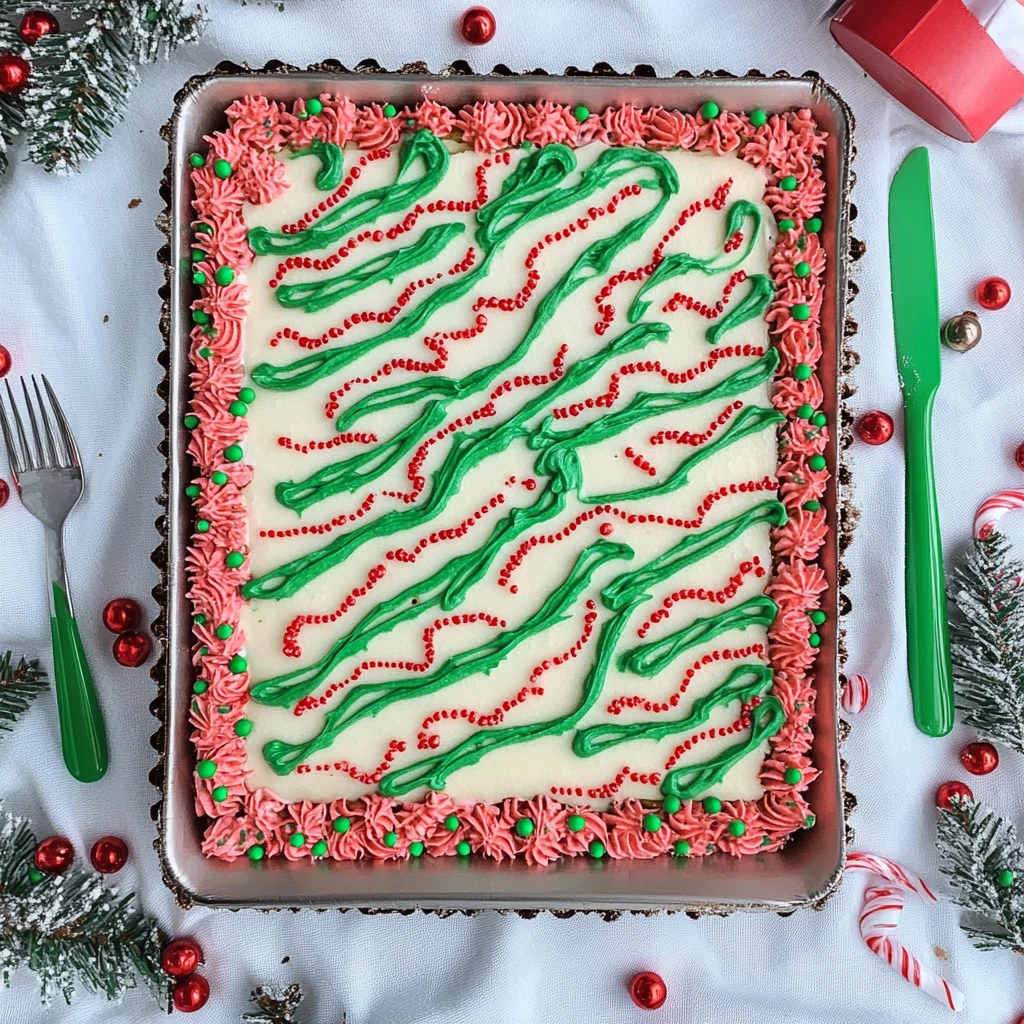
[{"x": 523, "y": 769}]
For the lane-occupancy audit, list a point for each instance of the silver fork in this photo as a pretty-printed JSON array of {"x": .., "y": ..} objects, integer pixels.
[{"x": 48, "y": 476}]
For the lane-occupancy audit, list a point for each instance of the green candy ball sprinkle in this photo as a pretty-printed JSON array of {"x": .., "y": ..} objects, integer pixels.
[
  {"x": 315, "y": 106},
  {"x": 200, "y": 686},
  {"x": 206, "y": 769},
  {"x": 710, "y": 110},
  {"x": 197, "y": 255},
  {"x": 802, "y": 269},
  {"x": 416, "y": 849},
  {"x": 204, "y": 229},
  {"x": 817, "y": 617},
  {"x": 737, "y": 828},
  {"x": 463, "y": 849},
  {"x": 758, "y": 118},
  {"x": 191, "y": 421},
  {"x": 255, "y": 853},
  {"x": 238, "y": 664},
  {"x": 243, "y": 727},
  {"x": 234, "y": 453},
  {"x": 786, "y": 224},
  {"x": 319, "y": 848},
  {"x": 793, "y": 776},
  {"x": 204, "y": 651},
  {"x": 802, "y": 371},
  {"x": 814, "y": 640},
  {"x": 525, "y": 826},
  {"x": 389, "y": 110},
  {"x": 1005, "y": 878},
  {"x": 203, "y": 526},
  {"x": 224, "y": 276},
  {"x": 200, "y": 619},
  {"x": 452, "y": 823},
  {"x": 197, "y": 159},
  {"x": 296, "y": 839},
  {"x": 35, "y": 876},
  {"x": 712, "y": 804},
  {"x": 222, "y": 168},
  {"x": 805, "y": 412},
  {"x": 199, "y": 277},
  {"x": 788, "y": 183},
  {"x": 813, "y": 225},
  {"x": 234, "y": 560},
  {"x": 652, "y": 823},
  {"x": 199, "y": 317},
  {"x": 581, "y": 113},
  {"x": 220, "y": 794},
  {"x": 205, "y": 352},
  {"x": 596, "y": 849},
  {"x": 192, "y": 491},
  {"x": 246, "y": 395},
  {"x": 819, "y": 419},
  {"x": 219, "y": 478},
  {"x": 526, "y": 144},
  {"x": 671, "y": 804},
  {"x": 681, "y": 848},
  {"x": 341, "y": 825},
  {"x": 811, "y": 506},
  {"x": 238, "y": 408},
  {"x": 575, "y": 823},
  {"x": 801, "y": 311},
  {"x": 225, "y": 631},
  {"x": 809, "y": 821},
  {"x": 817, "y": 462}
]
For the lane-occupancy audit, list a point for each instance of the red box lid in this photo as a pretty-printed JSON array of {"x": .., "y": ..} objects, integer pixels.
[{"x": 934, "y": 57}]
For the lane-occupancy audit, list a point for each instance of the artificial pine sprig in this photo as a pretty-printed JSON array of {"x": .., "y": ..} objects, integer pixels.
[
  {"x": 81, "y": 77},
  {"x": 71, "y": 929},
  {"x": 987, "y": 633},
  {"x": 274, "y": 1006},
  {"x": 980, "y": 853},
  {"x": 20, "y": 684}
]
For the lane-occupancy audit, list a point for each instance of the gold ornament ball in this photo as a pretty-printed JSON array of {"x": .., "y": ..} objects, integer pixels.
[{"x": 963, "y": 332}]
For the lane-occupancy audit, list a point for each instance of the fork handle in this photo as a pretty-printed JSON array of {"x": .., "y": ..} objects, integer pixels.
[{"x": 83, "y": 738}]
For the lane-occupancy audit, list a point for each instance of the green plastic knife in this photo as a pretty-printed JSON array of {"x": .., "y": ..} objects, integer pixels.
[{"x": 915, "y": 307}]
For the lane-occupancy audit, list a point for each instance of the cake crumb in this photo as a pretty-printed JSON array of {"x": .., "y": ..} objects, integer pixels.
[
  {"x": 940, "y": 953},
  {"x": 106, "y": 318},
  {"x": 132, "y": 203},
  {"x": 286, "y": 959}
]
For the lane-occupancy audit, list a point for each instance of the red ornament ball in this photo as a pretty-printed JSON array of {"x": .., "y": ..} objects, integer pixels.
[
  {"x": 1018, "y": 457},
  {"x": 5, "y": 361},
  {"x": 5, "y": 493},
  {"x": 647, "y": 990},
  {"x": 993, "y": 293},
  {"x": 979, "y": 758},
  {"x": 14, "y": 72},
  {"x": 36, "y": 24},
  {"x": 875, "y": 427},
  {"x": 180, "y": 957},
  {"x": 54, "y": 855},
  {"x": 122, "y": 615},
  {"x": 478, "y": 26},
  {"x": 109, "y": 854},
  {"x": 190, "y": 993},
  {"x": 132, "y": 649},
  {"x": 950, "y": 789}
]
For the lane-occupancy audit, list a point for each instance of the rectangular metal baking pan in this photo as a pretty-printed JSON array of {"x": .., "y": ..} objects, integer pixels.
[{"x": 807, "y": 871}]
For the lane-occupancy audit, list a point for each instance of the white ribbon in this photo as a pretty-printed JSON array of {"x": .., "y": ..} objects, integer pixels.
[{"x": 1003, "y": 20}]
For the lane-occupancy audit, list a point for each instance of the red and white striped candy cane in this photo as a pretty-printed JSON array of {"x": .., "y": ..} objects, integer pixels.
[
  {"x": 855, "y": 694},
  {"x": 880, "y": 915},
  {"x": 991, "y": 510}
]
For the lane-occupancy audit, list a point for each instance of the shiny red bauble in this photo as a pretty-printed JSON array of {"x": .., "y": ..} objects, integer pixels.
[
  {"x": 36, "y": 24},
  {"x": 5, "y": 361},
  {"x": 979, "y": 758},
  {"x": 875, "y": 427},
  {"x": 122, "y": 615},
  {"x": 647, "y": 990},
  {"x": 54, "y": 855},
  {"x": 132, "y": 649},
  {"x": 180, "y": 957},
  {"x": 5, "y": 492},
  {"x": 14, "y": 72},
  {"x": 477, "y": 26},
  {"x": 190, "y": 993},
  {"x": 951, "y": 789},
  {"x": 109, "y": 854},
  {"x": 993, "y": 293},
  {"x": 1018, "y": 456}
]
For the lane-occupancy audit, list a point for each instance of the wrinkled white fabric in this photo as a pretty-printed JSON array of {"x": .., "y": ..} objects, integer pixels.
[{"x": 78, "y": 300}]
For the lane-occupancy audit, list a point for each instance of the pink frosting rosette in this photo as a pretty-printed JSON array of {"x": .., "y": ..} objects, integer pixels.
[
  {"x": 627, "y": 837},
  {"x": 348, "y": 844},
  {"x": 488, "y": 832},
  {"x": 374, "y": 129},
  {"x": 432, "y": 116}
]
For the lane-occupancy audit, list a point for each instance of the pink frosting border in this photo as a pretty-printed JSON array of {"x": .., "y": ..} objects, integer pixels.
[{"x": 787, "y": 144}]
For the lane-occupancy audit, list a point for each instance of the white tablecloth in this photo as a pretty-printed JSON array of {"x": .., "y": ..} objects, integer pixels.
[{"x": 78, "y": 299}]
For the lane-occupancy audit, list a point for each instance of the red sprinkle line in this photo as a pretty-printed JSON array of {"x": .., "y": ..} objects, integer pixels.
[
  {"x": 685, "y": 437},
  {"x": 429, "y": 654},
  {"x": 309, "y": 446},
  {"x": 335, "y": 197},
  {"x": 395, "y": 747},
  {"x": 636, "y": 701},
  {"x": 640, "y": 461},
  {"x": 609, "y": 789},
  {"x": 709, "y": 312},
  {"x": 451, "y": 533},
  {"x": 321, "y": 528},
  {"x": 742, "y": 722}
]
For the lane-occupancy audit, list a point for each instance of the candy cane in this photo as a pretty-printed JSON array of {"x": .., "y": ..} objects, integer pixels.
[
  {"x": 993, "y": 509},
  {"x": 880, "y": 915},
  {"x": 855, "y": 694}
]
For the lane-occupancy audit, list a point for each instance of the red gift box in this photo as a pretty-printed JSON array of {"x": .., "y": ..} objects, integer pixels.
[{"x": 935, "y": 57}]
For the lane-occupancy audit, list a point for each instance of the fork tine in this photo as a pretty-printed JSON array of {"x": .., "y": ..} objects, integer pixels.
[
  {"x": 55, "y": 456},
  {"x": 65, "y": 427},
  {"x": 14, "y": 455},
  {"x": 40, "y": 455},
  {"x": 29, "y": 459}
]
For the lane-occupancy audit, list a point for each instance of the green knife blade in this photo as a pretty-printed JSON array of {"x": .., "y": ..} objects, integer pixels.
[{"x": 915, "y": 306}]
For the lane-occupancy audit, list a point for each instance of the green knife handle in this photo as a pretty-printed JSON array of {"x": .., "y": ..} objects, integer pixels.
[
  {"x": 83, "y": 738},
  {"x": 928, "y": 662}
]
